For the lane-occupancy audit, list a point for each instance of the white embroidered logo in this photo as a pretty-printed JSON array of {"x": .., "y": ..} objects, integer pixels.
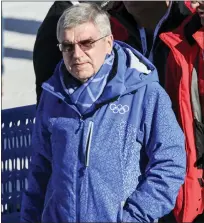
[{"x": 121, "y": 109}]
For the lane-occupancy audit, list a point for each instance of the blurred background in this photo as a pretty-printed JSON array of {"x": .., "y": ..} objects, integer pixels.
[{"x": 21, "y": 21}]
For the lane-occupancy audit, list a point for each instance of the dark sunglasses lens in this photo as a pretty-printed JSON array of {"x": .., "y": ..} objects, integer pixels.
[
  {"x": 86, "y": 45},
  {"x": 65, "y": 47}
]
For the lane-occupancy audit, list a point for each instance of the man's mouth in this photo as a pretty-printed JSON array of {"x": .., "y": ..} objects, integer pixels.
[{"x": 78, "y": 64}]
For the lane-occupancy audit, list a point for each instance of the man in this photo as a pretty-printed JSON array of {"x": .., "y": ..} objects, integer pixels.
[
  {"x": 185, "y": 86},
  {"x": 154, "y": 17},
  {"x": 107, "y": 146},
  {"x": 45, "y": 53}
]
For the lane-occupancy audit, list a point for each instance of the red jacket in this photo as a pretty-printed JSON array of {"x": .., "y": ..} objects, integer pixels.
[{"x": 186, "y": 45}]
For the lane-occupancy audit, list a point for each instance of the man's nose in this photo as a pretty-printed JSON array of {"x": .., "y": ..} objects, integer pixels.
[{"x": 77, "y": 51}]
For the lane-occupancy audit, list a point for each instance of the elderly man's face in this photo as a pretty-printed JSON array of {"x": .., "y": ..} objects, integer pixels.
[{"x": 83, "y": 58}]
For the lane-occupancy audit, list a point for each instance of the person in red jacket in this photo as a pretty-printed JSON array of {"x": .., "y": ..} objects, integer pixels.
[{"x": 185, "y": 86}]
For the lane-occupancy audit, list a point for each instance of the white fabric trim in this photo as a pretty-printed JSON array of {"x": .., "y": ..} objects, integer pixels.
[{"x": 136, "y": 64}]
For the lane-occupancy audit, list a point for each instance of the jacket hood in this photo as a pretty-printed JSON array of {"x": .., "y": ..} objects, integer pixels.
[
  {"x": 139, "y": 70},
  {"x": 130, "y": 71}
]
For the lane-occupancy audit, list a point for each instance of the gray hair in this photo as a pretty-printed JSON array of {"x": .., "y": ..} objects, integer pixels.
[{"x": 82, "y": 13}]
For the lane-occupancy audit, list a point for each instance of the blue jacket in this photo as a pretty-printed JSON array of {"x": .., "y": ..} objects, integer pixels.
[{"x": 123, "y": 160}]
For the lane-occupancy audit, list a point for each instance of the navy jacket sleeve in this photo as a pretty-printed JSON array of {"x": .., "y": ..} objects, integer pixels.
[
  {"x": 39, "y": 173},
  {"x": 163, "y": 141},
  {"x": 46, "y": 54}
]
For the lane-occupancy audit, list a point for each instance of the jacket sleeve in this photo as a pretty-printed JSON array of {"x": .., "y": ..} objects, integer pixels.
[
  {"x": 163, "y": 142},
  {"x": 39, "y": 173},
  {"x": 46, "y": 54}
]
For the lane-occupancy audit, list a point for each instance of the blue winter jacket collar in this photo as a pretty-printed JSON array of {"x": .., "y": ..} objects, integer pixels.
[{"x": 130, "y": 71}]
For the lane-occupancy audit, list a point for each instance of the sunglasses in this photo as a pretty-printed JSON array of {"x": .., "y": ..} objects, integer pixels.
[{"x": 84, "y": 45}]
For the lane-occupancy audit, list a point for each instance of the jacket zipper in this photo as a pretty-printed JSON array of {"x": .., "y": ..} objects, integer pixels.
[
  {"x": 87, "y": 157},
  {"x": 88, "y": 142}
]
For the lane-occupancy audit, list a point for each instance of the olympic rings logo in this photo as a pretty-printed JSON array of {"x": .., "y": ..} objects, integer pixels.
[{"x": 121, "y": 109}]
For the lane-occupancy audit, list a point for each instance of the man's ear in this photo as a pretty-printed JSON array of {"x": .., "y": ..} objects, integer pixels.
[{"x": 109, "y": 44}]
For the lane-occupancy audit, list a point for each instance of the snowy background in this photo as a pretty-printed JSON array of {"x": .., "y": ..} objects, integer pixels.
[{"x": 21, "y": 22}]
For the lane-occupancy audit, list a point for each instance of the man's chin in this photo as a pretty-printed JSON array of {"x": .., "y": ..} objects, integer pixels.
[
  {"x": 82, "y": 77},
  {"x": 83, "y": 80}
]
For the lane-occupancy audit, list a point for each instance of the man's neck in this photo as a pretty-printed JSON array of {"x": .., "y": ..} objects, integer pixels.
[{"x": 150, "y": 19}]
